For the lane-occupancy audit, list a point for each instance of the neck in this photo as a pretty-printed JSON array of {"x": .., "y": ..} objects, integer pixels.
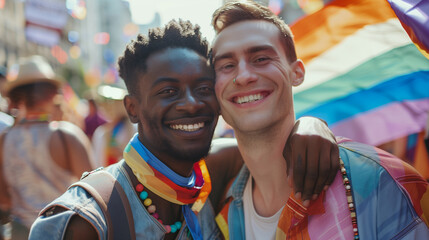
[
  {"x": 34, "y": 116},
  {"x": 263, "y": 154},
  {"x": 182, "y": 168}
]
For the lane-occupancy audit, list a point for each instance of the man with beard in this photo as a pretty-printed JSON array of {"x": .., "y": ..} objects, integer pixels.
[{"x": 164, "y": 172}]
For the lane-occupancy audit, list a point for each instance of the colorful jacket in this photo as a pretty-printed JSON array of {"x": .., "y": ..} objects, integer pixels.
[{"x": 391, "y": 202}]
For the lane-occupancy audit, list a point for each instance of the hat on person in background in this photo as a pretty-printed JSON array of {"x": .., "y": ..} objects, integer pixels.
[{"x": 34, "y": 69}]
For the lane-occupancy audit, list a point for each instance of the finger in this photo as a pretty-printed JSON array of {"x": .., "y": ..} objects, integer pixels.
[
  {"x": 290, "y": 178},
  {"x": 287, "y": 153},
  {"x": 299, "y": 167},
  {"x": 335, "y": 165},
  {"x": 312, "y": 169},
  {"x": 324, "y": 169}
]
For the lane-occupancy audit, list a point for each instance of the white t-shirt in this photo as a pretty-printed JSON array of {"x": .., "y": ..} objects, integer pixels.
[{"x": 257, "y": 227}]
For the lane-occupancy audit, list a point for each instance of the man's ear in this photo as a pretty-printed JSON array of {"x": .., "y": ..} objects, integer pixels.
[
  {"x": 298, "y": 70},
  {"x": 130, "y": 105}
]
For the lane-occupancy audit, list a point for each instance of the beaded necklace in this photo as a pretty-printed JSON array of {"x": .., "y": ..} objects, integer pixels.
[
  {"x": 147, "y": 202},
  {"x": 350, "y": 201},
  {"x": 189, "y": 192},
  {"x": 41, "y": 117}
]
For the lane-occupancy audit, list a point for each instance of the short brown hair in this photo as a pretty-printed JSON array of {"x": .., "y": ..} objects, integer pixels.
[
  {"x": 33, "y": 94},
  {"x": 237, "y": 11}
]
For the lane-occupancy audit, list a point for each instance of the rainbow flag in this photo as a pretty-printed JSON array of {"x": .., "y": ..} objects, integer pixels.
[
  {"x": 414, "y": 17},
  {"x": 364, "y": 75}
]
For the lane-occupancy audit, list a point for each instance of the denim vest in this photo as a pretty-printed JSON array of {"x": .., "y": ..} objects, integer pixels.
[
  {"x": 388, "y": 204},
  {"x": 77, "y": 201}
]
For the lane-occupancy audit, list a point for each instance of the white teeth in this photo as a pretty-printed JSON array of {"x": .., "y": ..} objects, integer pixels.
[
  {"x": 250, "y": 98},
  {"x": 188, "y": 127}
]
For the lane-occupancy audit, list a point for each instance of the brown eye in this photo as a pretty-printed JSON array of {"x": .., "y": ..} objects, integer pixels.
[
  {"x": 205, "y": 90},
  {"x": 168, "y": 91}
]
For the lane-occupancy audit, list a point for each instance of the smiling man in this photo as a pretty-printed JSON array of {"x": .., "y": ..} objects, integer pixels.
[
  {"x": 164, "y": 172},
  {"x": 374, "y": 196}
]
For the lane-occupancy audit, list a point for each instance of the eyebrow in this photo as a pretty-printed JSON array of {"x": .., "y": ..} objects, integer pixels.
[
  {"x": 174, "y": 80},
  {"x": 260, "y": 48},
  {"x": 250, "y": 50},
  {"x": 164, "y": 79},
  {"x": 223, "y": 56}
]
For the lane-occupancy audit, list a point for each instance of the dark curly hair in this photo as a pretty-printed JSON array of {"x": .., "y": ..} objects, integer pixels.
[{"x": 176, "y": 34}]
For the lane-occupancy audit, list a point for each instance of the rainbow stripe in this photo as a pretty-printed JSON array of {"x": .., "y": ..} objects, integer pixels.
[
  {"x": 364, "y": 75},
  {"x": 164, "y": 187}
]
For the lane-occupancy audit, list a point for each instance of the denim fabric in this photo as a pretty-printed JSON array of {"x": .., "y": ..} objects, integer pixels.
[
  {"x": 236, "y": 211},
  {"x": 78, "y": 202}
]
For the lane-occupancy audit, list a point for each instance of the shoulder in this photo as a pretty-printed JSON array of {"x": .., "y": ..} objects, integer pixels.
[
  {"x": 65, "y": 126},
  {"x": 80, "y": 218},
  {"x": 70, "y": 131},
  {"x": 385, "y": 185},
  {"x": 73, "y": 210},
  {"x": 222, "y": 151},
  {"x": 223, "y": 162},
  {"x": 366, "y": 157}
]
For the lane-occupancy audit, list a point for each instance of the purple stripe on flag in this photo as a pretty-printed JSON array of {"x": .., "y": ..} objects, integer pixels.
[
  {"x": 415, "y": 15},
  {"x": 385, "y": 123}
]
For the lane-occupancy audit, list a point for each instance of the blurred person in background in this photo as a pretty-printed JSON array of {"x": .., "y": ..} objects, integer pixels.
[
  {"x": 94, "y": 117},
  {"x": 5, "y": 119},
  {"x": 110, "y": 139},
  {"x": 39, "y": 158}
]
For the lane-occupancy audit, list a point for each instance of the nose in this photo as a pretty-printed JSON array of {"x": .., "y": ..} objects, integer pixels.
[
  {"x": 245, "y": 74},
  {"x": 189, "y": 103}
]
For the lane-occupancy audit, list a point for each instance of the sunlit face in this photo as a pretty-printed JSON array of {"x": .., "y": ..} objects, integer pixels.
[
  {"x": 176, "y": 107},
  {"x": 252, "y": 53}
]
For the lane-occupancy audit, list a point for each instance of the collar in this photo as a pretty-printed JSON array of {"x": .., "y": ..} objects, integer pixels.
[{"x": 316, "y": 206}]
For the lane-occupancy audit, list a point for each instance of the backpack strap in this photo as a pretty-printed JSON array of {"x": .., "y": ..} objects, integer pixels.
[{"x": 111, "y": 198}]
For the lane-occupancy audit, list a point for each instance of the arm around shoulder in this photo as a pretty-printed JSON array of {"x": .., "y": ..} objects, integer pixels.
[{"x": 76, "y": 145}]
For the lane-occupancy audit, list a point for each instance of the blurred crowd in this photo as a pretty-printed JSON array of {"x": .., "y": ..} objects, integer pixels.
[{"x": 47, "y": 143}]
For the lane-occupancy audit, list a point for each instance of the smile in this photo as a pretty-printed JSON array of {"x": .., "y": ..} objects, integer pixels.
[
  {"x": 249, "y": 98},
  {"x": 188, "y": 127}
]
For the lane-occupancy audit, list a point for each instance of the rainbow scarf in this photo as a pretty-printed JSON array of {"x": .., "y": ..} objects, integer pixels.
[{"x": 161, "y": 180}]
